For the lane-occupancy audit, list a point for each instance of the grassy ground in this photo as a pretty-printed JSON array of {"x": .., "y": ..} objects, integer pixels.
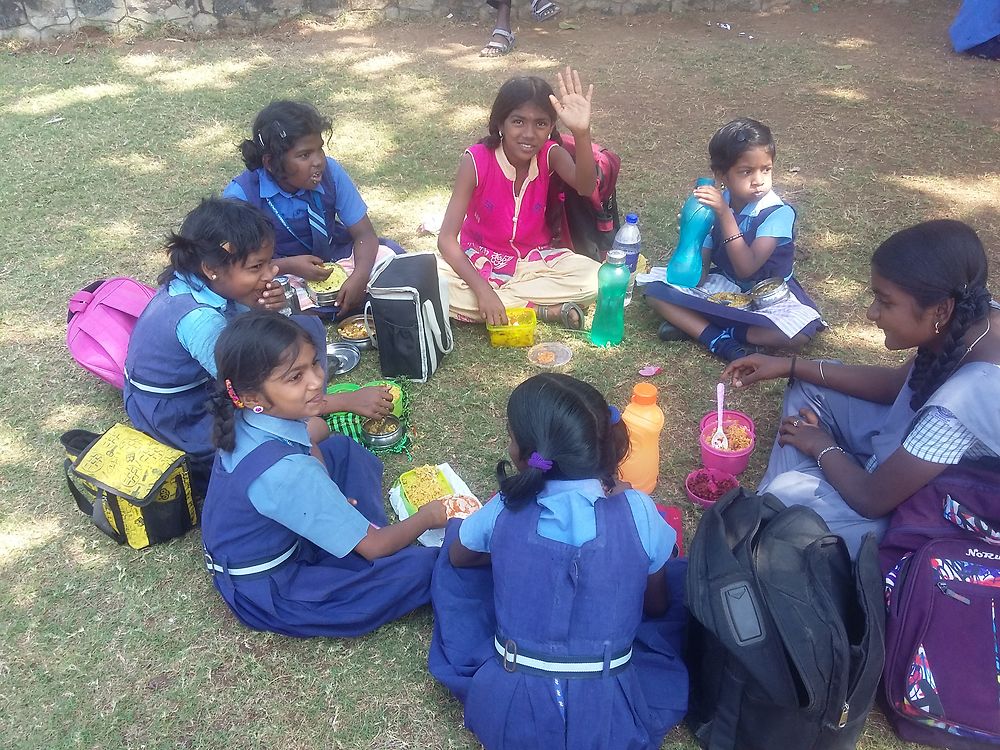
[{"x": 108, "y": 145}]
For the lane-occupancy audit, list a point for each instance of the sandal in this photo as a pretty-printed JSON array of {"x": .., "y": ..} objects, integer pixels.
[
  {"x": 498, "y": 47},
  {"x": 542, "y": 10},
  {"x": 570, "y": 316}
]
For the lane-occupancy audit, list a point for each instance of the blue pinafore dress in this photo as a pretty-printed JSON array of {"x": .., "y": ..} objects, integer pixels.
[
  {"x": 560, "y": 603},
  {"x": 166, "y": 389},
  {"x": 275, "y": 580},
  {"x": 780, "y": 264}
]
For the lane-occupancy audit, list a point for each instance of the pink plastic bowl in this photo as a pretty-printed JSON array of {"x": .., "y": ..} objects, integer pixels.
[
  {"x": 716, "y": 475},
  {"x": 732, "y": 462}
]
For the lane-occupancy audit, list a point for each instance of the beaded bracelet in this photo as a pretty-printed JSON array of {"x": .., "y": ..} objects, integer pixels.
[
  {"x": 734, "y": 237},
  {"x": 827, "y": 450}
]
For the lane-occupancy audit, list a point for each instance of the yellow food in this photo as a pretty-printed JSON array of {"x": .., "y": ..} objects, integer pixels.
[
  {"x": 767, "y": 287},
  {"x": 353, "y": 330},
  {"x": 546, "y": 358},
  {"x": 460, "y": 506},
  {"x": 423, "y": 484},
  {"x": 381, "y": 426},
  {"x": 331, "y": 283},
  {"x": 733, "y": 299},
  {"x": 737, "y": 435}
]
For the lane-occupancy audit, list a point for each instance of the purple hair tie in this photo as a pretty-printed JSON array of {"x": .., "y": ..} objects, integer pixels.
[
  {"x": 616, "y": 415},
  {"x": 538, "y": 462}
]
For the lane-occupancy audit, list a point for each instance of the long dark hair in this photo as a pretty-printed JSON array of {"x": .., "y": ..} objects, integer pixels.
[
  {"x": 567, "y": 422},
  {"x": 514, "y": 93},
  {"x": 932, "y": 262},
  {"x": 734, "y": 139},
  {"x": 275, "y": 130},
  {"x": 218, "y": 232},
  {"x": 249, "y": 349}
]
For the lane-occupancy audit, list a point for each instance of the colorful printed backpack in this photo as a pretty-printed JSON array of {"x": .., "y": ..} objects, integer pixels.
[
  {"x": 588, "y": 225},
  {"x": 941, "y": 556},
  {"x": 99, "y": 323}
]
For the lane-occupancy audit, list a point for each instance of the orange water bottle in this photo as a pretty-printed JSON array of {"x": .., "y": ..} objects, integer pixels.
[{"x": 644, "y": 420}]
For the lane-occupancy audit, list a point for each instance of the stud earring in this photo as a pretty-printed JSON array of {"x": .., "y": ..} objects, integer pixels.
[
  {"x": 214, "y": 277},
  {"x": 937, "y": 327},
  {"x": 257, "y": 409},
  {"x": 501, "y": 134}
]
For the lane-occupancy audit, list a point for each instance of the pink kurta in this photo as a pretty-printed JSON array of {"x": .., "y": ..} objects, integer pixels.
[{"x": 501, "y": 226}]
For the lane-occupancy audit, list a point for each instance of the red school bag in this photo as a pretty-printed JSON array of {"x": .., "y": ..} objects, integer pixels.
[
  {"x": 99, "y": 323},
  {"x": 588, "y": 225}
]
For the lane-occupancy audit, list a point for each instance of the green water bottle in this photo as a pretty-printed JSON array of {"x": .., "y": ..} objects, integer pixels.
[
  {"x": 685, "y": 265},
  {"x": 609, "y": 319}
]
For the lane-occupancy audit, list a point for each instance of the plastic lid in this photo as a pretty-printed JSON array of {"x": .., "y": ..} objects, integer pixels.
[
  {"x": 632, "y": 218},
  {"x": 704, "y": 181},
  {"x": 615, "y": 256},
  {"x": 644, "y": 394}
]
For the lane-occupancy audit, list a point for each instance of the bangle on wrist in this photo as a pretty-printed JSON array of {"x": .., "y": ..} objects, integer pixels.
[
  {"x": 827, "y": 450},
  {"x": 734, "y": 237},
  {"x": 791, "y": 370},
  {"x": 822, "y": 375}
]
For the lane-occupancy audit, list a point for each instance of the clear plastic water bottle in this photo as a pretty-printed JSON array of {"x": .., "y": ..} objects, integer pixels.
[
  {"x": 629, "y": 242},
  {"x": 608, "y": 327}
]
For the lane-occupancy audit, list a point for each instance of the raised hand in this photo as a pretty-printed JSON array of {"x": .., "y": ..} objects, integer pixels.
[{"x": 573, "y": 103}]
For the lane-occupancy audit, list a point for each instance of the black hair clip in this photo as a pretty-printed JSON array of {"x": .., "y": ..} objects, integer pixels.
[{"x": 741, "y": 136}]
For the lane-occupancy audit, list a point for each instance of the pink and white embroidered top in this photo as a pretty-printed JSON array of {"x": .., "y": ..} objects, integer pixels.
[{"x": 501, "y": 226}]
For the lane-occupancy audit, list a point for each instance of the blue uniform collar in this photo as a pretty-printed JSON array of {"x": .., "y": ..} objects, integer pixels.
[
  {"x": 289, "y": 430},
  {"x": 592, "y": 489},
  {"x": 752, "y": 209},
  {"x": 184, "y": 283},
  {"x": 269, "y": 188}
]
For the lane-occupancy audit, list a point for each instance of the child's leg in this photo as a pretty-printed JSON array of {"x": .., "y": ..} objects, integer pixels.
[
  {"x": 357, "y": 473},
  {"x": 774, "y": 339},
  {"x": 502, "y": 40},
  {"x": 720, "y": 341},
  {"x": 462, "y": 302}
]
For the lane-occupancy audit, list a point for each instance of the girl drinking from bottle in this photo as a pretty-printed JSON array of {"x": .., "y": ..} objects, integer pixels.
[
  {"x": 558, "y": 613},
  {"x": 753, "y": 239},
  {"x": 495, "y": 237}
]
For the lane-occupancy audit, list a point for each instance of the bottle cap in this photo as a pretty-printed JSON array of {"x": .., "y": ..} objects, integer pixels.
[
  {"x": 702, "y": 181},
  {"x": 615, "y": 256},
  {"x": 644, "y": 394},
  {"x": 632, "y": 218}
]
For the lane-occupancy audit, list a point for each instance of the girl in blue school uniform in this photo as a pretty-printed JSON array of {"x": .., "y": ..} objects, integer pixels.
[
  {"x": 220, "y": 266},
  {"x": 558, "y": 612},
  {"x": 753, "y": 239},
  {"x": 296, "y": 544},
  {"x": 317, "y": 213}
]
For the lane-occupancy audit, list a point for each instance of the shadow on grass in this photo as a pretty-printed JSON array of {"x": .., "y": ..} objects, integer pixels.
[{"x": 108, "y": 647}]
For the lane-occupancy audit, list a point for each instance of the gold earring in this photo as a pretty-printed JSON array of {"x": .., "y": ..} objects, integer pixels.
[{"x": 937, "y": 327}]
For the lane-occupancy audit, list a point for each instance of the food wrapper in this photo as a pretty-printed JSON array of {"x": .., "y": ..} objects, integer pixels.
[{"x": 431, "y": 537}]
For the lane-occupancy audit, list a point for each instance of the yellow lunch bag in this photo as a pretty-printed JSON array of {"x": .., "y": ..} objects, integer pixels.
[{"x": 134, "y": 488}]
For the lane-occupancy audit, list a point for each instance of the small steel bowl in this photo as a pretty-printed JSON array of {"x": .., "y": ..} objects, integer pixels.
[
  {"x": 382, "y": 439},
  {"x": 341, "y": 358},
  {"x": 769, "y": 292},
  {"x": 362, "y": 343}
]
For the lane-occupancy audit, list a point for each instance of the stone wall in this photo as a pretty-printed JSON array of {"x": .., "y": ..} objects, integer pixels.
[{"x": 38, "y": 20}]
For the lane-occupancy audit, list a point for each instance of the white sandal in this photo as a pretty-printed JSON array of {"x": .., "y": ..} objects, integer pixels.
[
  {"x": 497, "y": 48},
  {"x": 543, "y": 11}
]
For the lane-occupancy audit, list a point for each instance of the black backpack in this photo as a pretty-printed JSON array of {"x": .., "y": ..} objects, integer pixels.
[{"x": 786, "y": 642}]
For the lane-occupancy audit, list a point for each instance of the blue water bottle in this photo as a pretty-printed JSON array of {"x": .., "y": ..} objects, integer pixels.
[
  {"x": 608, "y": 328},
  {"x": 685, "y": 265},
  {"x": 629, "y": 241}
]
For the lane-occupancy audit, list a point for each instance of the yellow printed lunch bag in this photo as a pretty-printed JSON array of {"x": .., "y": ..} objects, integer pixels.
[{"x": 134, "y": 488}]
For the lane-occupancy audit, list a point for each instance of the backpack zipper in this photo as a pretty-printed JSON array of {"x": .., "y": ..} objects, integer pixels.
[
  {"x": 943, "y": 587},
  {"x": 845, "y": 710}
]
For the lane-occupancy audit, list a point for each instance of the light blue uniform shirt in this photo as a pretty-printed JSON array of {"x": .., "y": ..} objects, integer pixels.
[
  {"x": 779, "y": 224},
  {"x": 568, "y": 516},
  {"x": 198, "y": 331},
  {"x": 350, "y": 206},
  {"x": 297, "y": 491}
]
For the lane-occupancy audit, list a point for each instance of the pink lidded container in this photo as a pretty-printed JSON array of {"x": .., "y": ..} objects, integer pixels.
[{"x": 732, "y": 462}]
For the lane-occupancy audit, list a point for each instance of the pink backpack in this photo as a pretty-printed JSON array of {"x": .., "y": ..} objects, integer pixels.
[{"x": 99, "y": 323}]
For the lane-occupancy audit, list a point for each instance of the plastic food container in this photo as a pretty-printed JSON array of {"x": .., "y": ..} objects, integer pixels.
[
  {"x": 714, "y": 475},
  {"x": 550, "y": 355},
  {"x": 425, "y": 480},
  {"x": 520, "y": 330},
  {"x": 732, "y": 462}
]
